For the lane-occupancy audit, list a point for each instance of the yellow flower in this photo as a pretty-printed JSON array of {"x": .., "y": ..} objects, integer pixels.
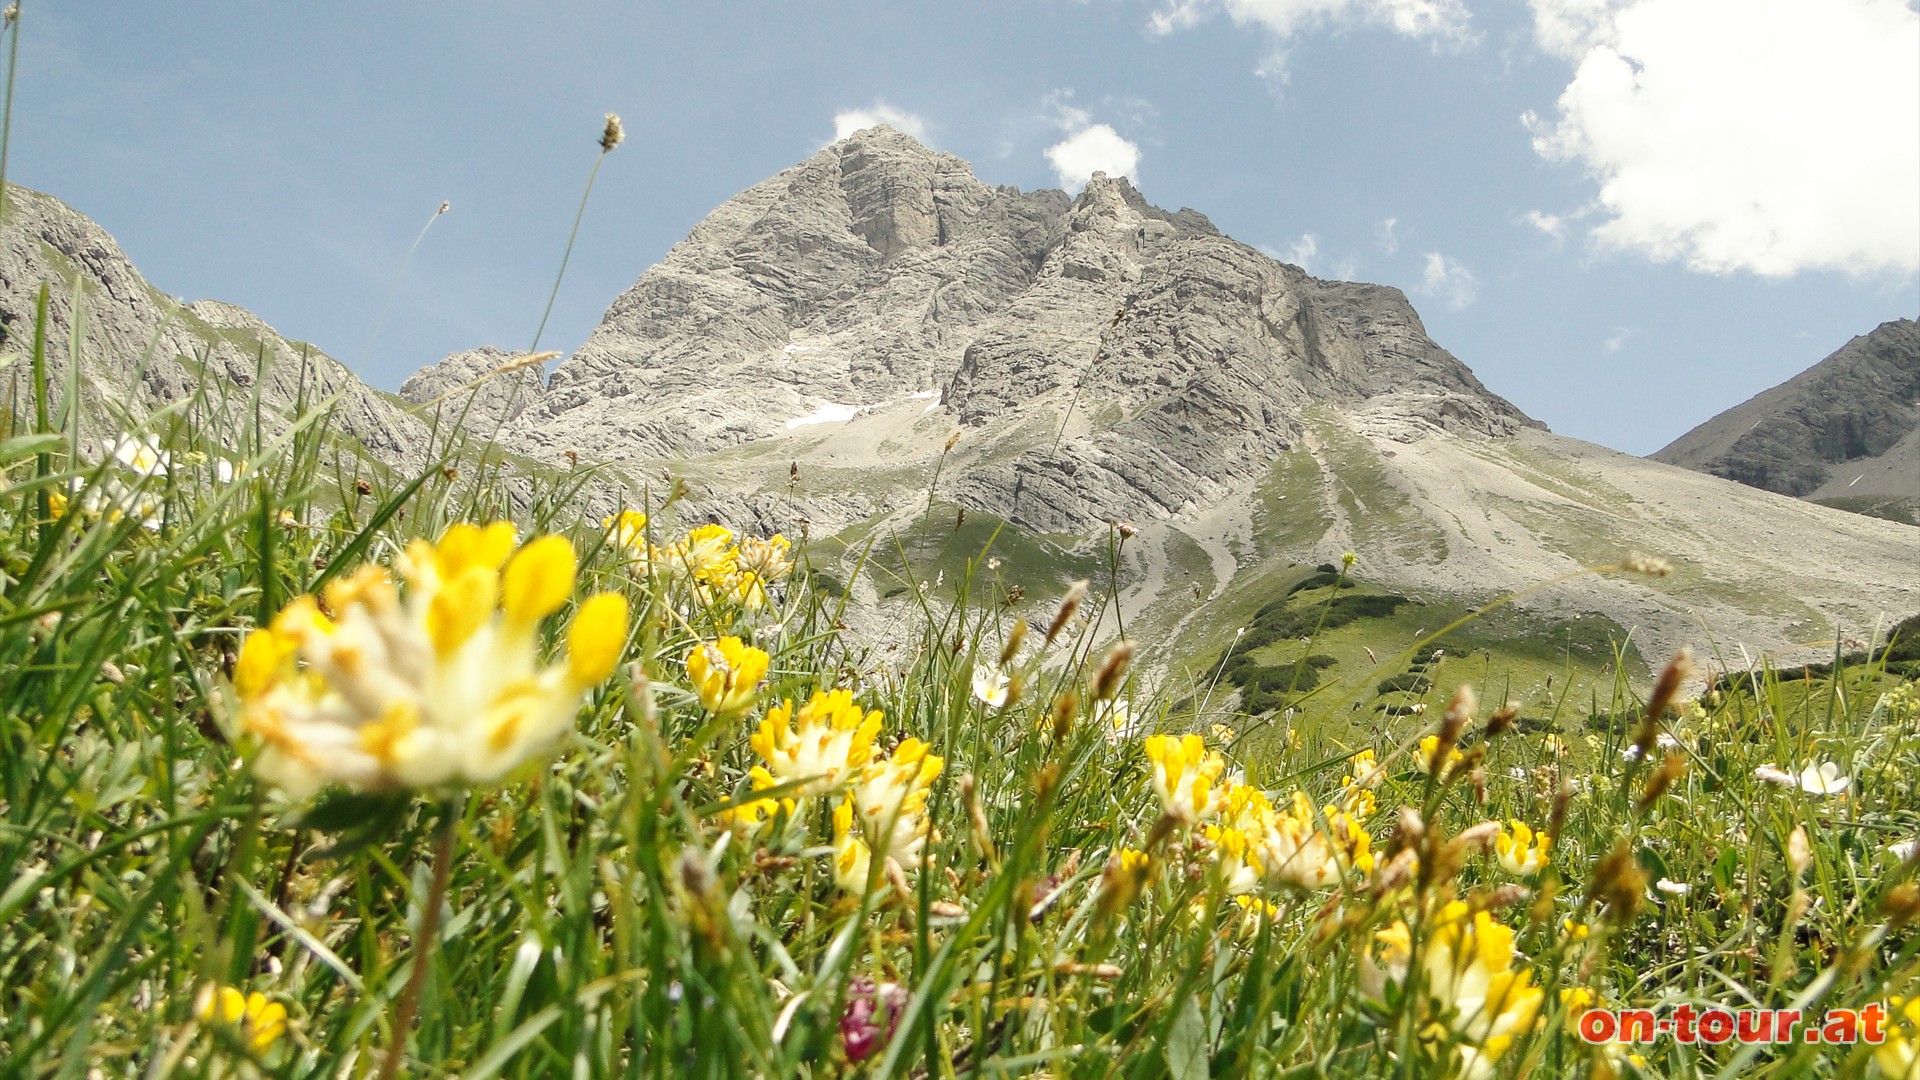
[
  {"x": 1520, "y": 850},
  {"x": 261, "y": 1022},
  {"x": 1184, "y": 771},
  {"x": 749, "y": 814},
  {"x": 1899, "y": 1055},
  {"x": 628, "y": 530},
  {"x": 825, "y": 744},
  {"x": 1423, "y": 758},
  {"x": 1471, "y": 986},
  {"x": 890, "y": 801},
  {"x": 852, "y": 859},
  {"x": 439, "y": 687},
  {"x": 707, "y": 555},
  {"x": 726, "y": 674},
  {"x": 769, "y": 560},
  {"x": 1127, "y": 870}
]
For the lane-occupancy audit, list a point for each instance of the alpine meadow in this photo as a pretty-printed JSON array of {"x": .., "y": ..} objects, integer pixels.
[{"x": 934, "y": 629}]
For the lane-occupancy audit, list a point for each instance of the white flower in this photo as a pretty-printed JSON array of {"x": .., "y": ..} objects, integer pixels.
[
  {"x": 142, "y": 455},
  {"x": 1824, "y": 778},
  {"x": 1904, "y": 850},
  {"x": 1773, "y": 775},
  {"x": 1663, "y": 741},
  {"x": 991, "y": 686},
  {"x": 1671, "y": 887}
]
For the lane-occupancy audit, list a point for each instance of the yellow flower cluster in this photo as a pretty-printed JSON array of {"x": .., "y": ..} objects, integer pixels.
[
  {"x": 1253, "y": 842},
  {"x": 1899, "y": 1055},
  {"x": 441, "y": 686},
  {"x": 708, "y": 558},
  {"x": 1520, "y": 850},
  {"x": 1184, "y": 773},
  {"x": 828, "y": 746},
  {"x": 1471, "y": 987},
  {"x": 260, "y": 1022},
  {"x": 1429, "y": 760},
  {"x": 726, "y": 674}
]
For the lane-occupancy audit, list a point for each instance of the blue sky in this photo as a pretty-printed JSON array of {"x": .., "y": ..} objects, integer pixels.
[{"x": 1625, "y": 215}]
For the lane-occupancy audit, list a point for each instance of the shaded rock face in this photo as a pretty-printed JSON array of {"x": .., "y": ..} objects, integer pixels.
[
  {"x": 1849, "y": 425},
  {"x": 140, "y": 349},
  {"x": 473, "y": 389},
  {"x": 878, "y": 270}
]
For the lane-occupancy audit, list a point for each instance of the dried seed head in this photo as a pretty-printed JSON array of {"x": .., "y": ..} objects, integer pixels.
[
  {"x": 1637, "y": 563},
  {"x": 362, "y": 487},
  {"x": 1664, "y": 692},
  {"x": 1015, "y": 637},
  {"x": 1619, "y": 883},
  {"x": 1106, "y": 681},
  {"x": 444, "y": 207},
  {"x": 977, "y": 831},
  {"x": 1671, "y": 769},
  {"x": 613, "y": 134},
  {"x": 1502, "y": 719},
  {"x": 1459, "y": 714},
  {"x": 1901, "y": 904},
  {"x": 1127, "y": 529},
  {"x": 1069, "y": 606},
  {"x": 952, "y": 441},
  {"x": 1064, "y": 707}
]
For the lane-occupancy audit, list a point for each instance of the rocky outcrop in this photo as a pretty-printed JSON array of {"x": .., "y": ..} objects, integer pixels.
[
  {"x": 140, "y": 349},
  {"x": 1848, "y": 426},
  {"x": 1174, "y": 362},
  {"x": 480, "y": 389}
]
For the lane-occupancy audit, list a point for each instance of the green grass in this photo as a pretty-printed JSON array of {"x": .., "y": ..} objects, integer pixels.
[{"x": 600, "y": 921}]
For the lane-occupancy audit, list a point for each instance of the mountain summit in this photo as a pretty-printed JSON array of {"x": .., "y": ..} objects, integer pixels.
[
  {"x": 1160, "y": 363},
  {"x": 1846, "y": 431}
]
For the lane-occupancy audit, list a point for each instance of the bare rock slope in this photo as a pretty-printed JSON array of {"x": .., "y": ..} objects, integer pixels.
[
  {"x": 875, "y": 335},
  {"x": 140, "y": 349},
  {"x": 1846, "y": 428}
]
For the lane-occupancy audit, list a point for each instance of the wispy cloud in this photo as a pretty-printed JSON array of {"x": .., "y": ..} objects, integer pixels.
[
  {"x": 848, "y": 121},
  {"x": 1450, "y": 282},
  {"x": 1443, "y": 22}
]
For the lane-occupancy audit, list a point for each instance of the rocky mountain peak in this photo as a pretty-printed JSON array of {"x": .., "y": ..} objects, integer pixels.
[
  {"x": 879, "y": 271},
  {"x": 1845, "y": 431}
]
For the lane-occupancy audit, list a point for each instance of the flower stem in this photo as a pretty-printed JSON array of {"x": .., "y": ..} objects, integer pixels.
[{"x": 423, "y": 943}]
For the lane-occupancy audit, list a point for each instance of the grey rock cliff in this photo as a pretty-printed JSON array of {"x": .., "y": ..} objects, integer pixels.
[
  {"x": 140, "y": 349},
  {"x": 474, "y": 388},
  {"x": 879, "y": 270},
  {"x": 1848, "y": 426}
]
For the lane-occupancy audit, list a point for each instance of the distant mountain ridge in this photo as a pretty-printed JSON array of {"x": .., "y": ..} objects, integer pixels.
[
  {"x": 140, "y": 349},
  {"x": 878, "y": 352},
  {"x": 1847, "y": 428}
]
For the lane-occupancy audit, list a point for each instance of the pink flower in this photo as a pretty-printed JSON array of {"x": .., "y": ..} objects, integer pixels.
[{"x": 872, "y": 1012}]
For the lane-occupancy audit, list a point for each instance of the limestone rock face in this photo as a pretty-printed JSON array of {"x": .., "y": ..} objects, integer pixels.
[
  {"x": 1848, "y": 426},
  {"x": 140, "y": 349},
  {"x": 1127, "y": 360},
  {"x": 474, "y": 388}
]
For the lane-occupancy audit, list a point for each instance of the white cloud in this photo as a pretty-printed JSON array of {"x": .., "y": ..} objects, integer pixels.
[
  {"x": 1058, "y": 109},
  {"x": 1553, "y": 225},
  {"x": 1383, "y": 235},
  {"x": 1769, "y": 136},
  {"x": 1443, "y": 21},
  {"x": 1449, "y": 281},
  {"x": 1616, "y": 339},
  {"x": 1098, "y": 148},
  {"x": 1439, "y": 18},
  {"x": 1301, "y": 252},
  {"x": 848, "y": 121}
]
